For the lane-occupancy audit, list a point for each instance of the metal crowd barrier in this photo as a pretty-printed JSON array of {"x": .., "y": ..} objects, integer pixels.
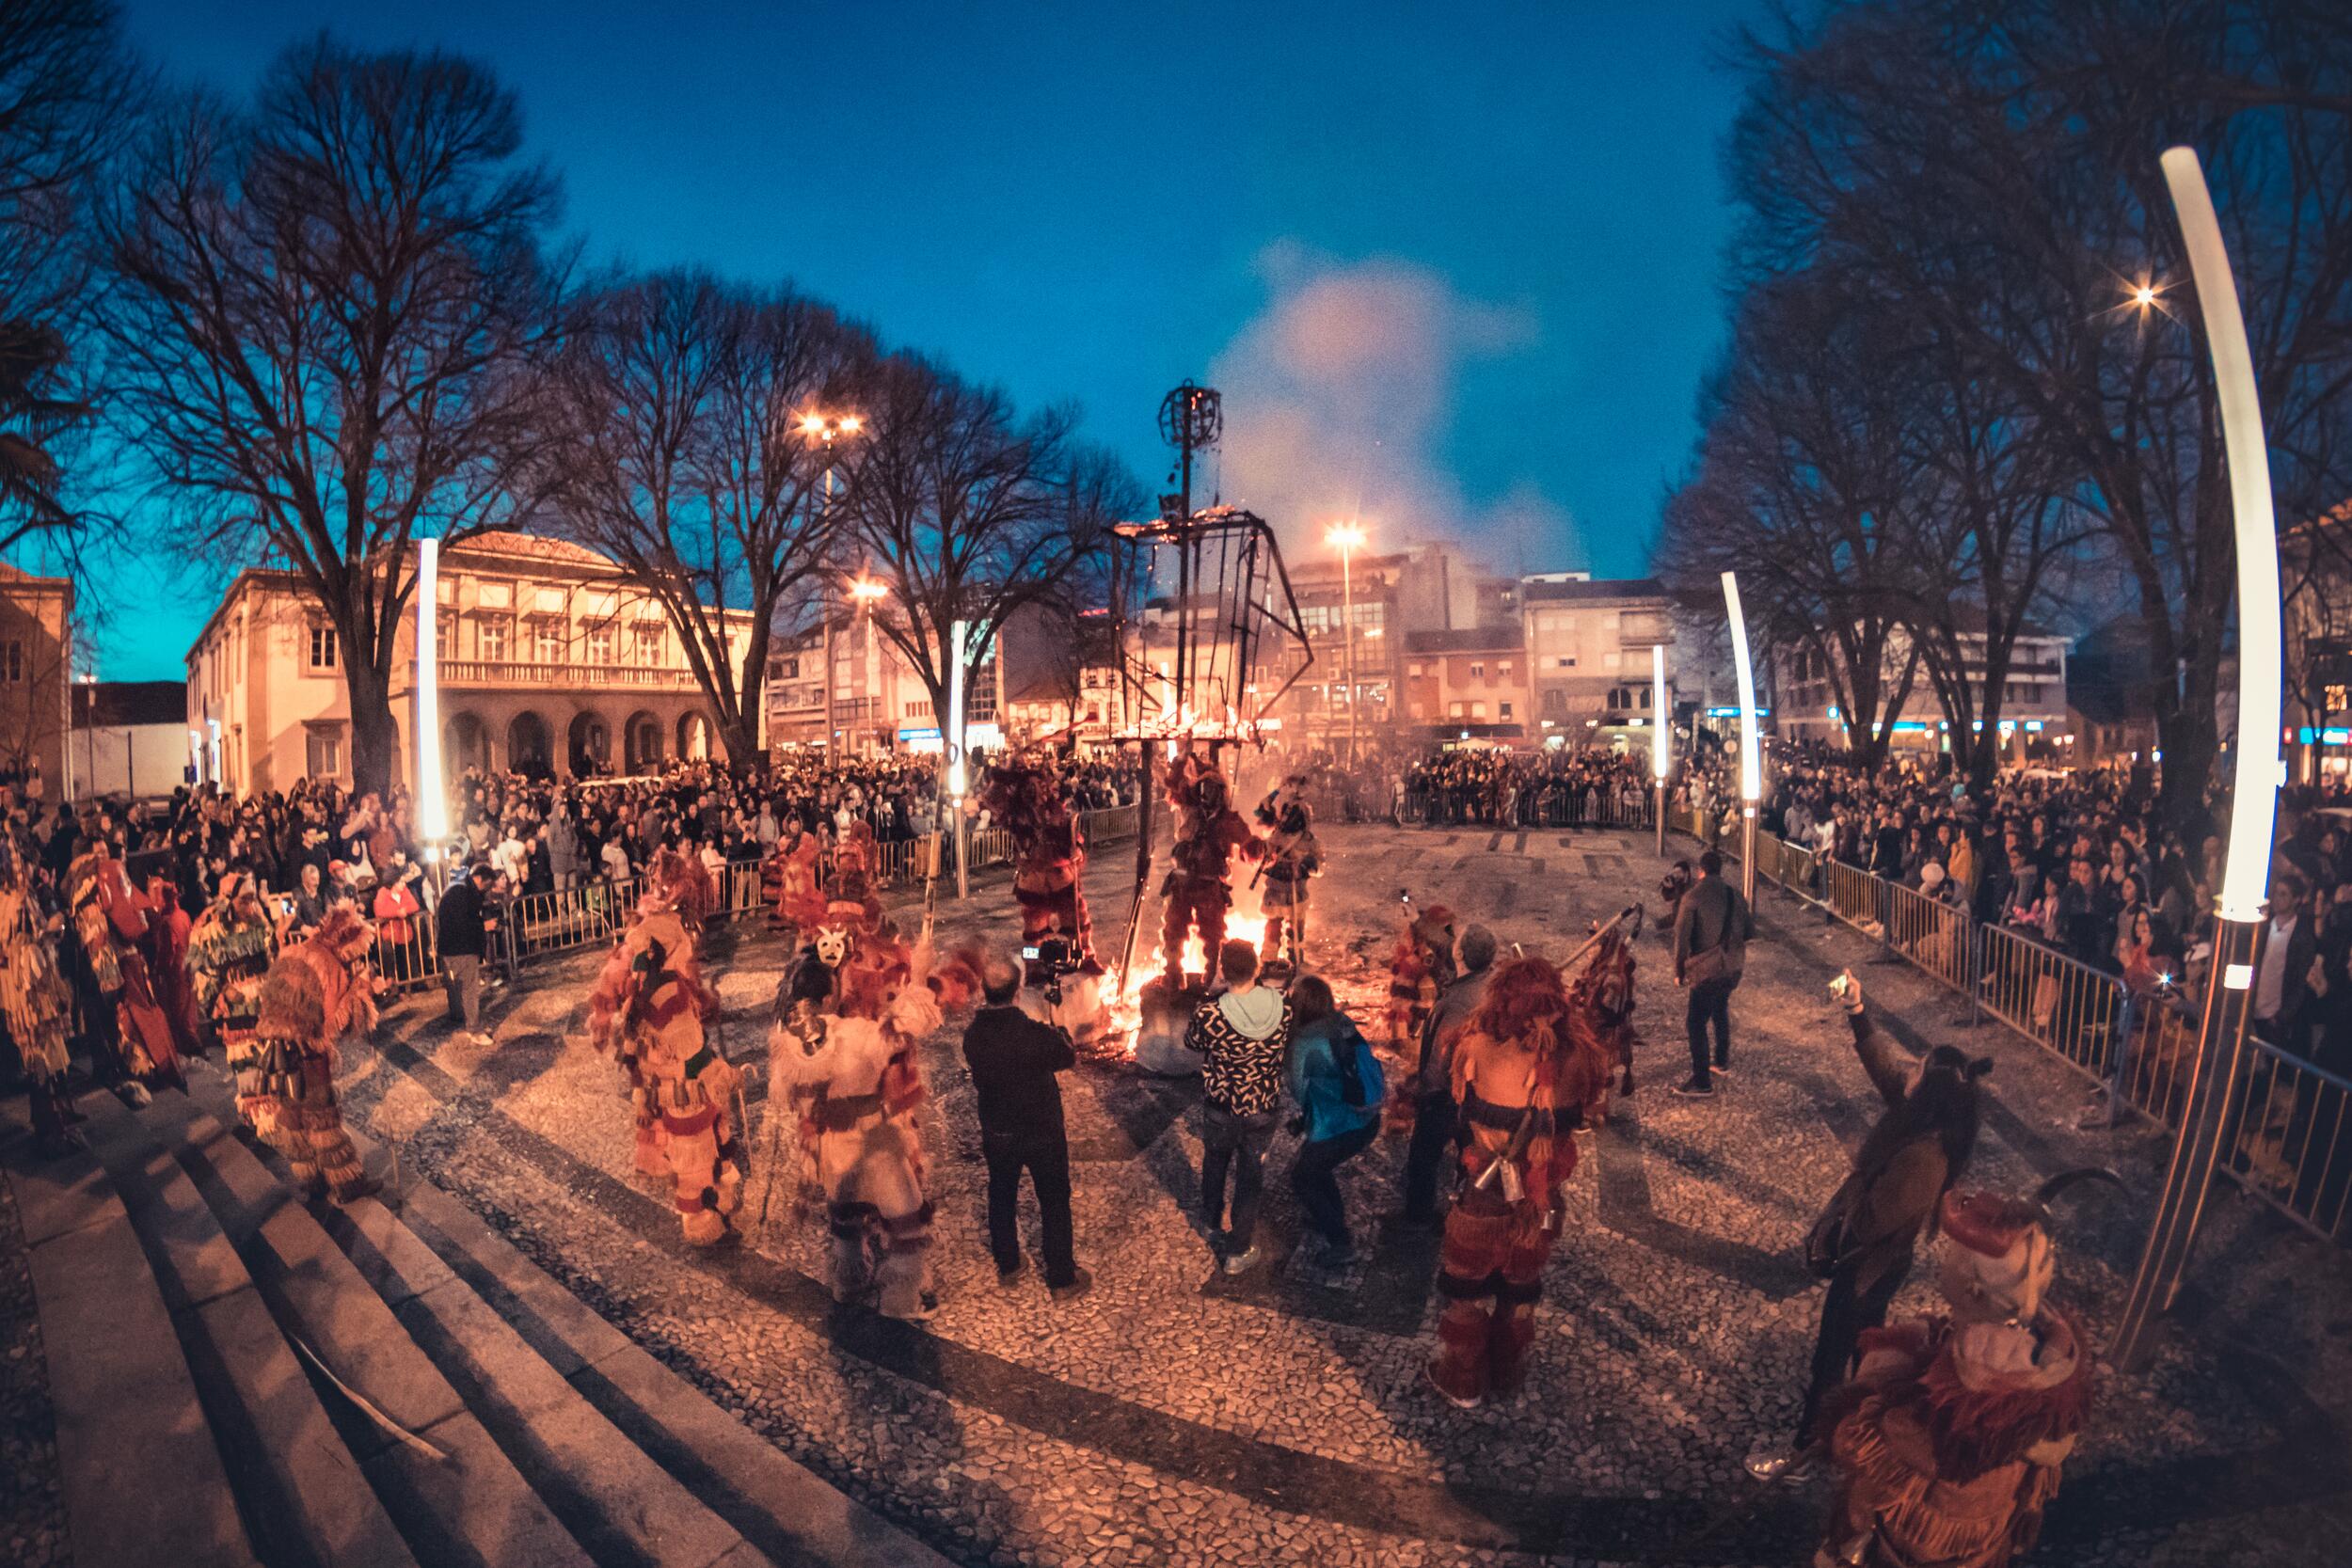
[{"x": 2289, "y": 1136}]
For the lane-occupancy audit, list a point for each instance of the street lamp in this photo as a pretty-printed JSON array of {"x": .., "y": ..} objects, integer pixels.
[
  {"x": 825, "y": 428},
  {"x": 431, "y": 800},
  {"x": 1348, "y": 538},
  {"x": 1751, "y": 759},
  {"x": 2220, "y": 1064}
]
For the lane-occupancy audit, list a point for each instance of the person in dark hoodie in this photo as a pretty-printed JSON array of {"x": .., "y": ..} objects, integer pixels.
[
  {"x": 1243, "y": 1036},
  {"x": 1864, "y": 1241}
]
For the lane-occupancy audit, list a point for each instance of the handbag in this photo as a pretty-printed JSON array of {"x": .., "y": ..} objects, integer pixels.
[{"x": 1713, "y": 964}]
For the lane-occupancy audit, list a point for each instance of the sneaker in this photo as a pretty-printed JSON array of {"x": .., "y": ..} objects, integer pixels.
[
  {"x": 1239, "y": 1262},
  {"x": 1080, "y": 1283},
  {"x": 1789, "y": 1466},
  {"x": 1008, "y": 1276},
  {"x": 1721, "y": 1069},
  {"x": 1691, "y": 1088},
  {"x": 133, "y": 1094}
]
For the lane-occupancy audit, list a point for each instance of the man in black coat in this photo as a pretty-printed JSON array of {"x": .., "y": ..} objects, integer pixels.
[
  {"x": 462, "y": 928},
  {"x": 1712, "y": 929},
  {"x": 1013, "y": 1058}
]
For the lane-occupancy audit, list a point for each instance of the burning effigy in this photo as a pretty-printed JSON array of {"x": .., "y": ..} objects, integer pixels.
[{"x": 1023, "y": 795}]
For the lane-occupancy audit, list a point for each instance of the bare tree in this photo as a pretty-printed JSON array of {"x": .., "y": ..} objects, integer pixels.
[
  {"x": 969, "y": 513},
  {"x": 67, "y": 90},
  {"x": 1803, "y": 475},
  {"x": 330, "y": 303},
  {"x": 678, "y": 450},
  {"x": 1991, "y": 166}
]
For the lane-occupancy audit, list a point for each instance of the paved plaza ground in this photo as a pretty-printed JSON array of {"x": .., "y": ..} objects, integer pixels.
[{"x": 1180, "y": 1417}]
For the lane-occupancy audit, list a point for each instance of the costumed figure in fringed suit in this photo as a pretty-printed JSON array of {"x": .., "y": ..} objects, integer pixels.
[
  {"x": 1199, "y": 883},
  {"x": 1602, "y": 1004},
  {"x": 319, "y": 991},
  {"x": 1421, "y": 966},
  {"x": 37, "y": 1006},
  {"x": 1523, "y": 1076},
  {"x": 166, "y": 950},
  {"x": 794, "y": 884},
  {"x": 1949, "y": 1442},
  {"x": 1292, "y": 860},
  {"x": 648, "y": 1009},
  {"x": 1025, "y": 795},
  {"x": 127, "y": 1028},
  {"x": 230, "y": 953},
  {"x": 660, "y": 939}
]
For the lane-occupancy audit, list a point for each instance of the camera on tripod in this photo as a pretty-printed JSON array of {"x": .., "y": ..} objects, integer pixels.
[{"x": 1047, "y": 961}]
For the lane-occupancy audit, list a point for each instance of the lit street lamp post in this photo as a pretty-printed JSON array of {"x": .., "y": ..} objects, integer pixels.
[
  {"x": 1751, "y": 758},
  {"x": 1348, "y": 538},
  {"x": 829, "y": 428},
  {"x": 2217, "y": 1077},
  {"x": 1659, "y": 762}
]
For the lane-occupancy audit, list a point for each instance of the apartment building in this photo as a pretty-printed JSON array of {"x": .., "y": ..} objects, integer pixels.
[
  {"x": 2034, "y": 710},
  {"x": 35, "y": 674},
  {"x": 1588, "y": 647}
]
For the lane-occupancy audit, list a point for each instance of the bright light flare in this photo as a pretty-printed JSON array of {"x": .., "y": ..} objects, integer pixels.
[
  {"x": 1345, "y": 536},
  {"x": 867, "y": 591},
  {"x": 1659, "y": 762},
  {"x": 1751, "y": 757},
  {"x": 432, "y": 800}
]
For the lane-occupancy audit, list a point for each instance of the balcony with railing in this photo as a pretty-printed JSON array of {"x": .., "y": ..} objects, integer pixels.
[{"x": 565, "y": 675}]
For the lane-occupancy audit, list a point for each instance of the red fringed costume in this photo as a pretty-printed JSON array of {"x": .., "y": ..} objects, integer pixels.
[
  {"x": 111, "y": 919},
  {"x": 1199, "y": 883},
  {"x": 1024, "y": 794},
  {"x": 793, "y": 884},
  {"x": 1600, "y": 1005},
  {"x": 166, "y": 953},
  {"x": 318, "y": 991},
  {"x": 1523, "y": 1075},
  {"x": 648, "y": 1009},
  {"x": 1420, "y": 965},
  {"x": 1949, "y": 1440},
  {"x": 842, "y": 1056}
]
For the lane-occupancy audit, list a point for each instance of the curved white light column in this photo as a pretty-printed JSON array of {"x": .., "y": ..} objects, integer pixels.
[
  {"x": 1751, "y": 757},
  {"x": 1662, "y": 736},
  {"x": 432, "y": 799},
  {"x": 2255, "y": 798}
]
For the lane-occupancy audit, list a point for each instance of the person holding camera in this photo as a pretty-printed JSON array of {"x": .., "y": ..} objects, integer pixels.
[
  {"x": 1713, "y": 925},
  {"x": 1338, "y": 1084},
  {"x": 1014, "y": 1059},
  {"x": 1864, "y": 1241}
]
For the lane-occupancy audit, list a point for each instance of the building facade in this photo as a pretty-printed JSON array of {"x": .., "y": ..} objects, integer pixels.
[
  {"x": 550, "y": 666},
  {"x": 2035, "y": 717},
  {"x": 130, "y": 739},
  {"x": 1470, "y": 683},
  {"x": 1588, "y": 650},
  {"x": 36, "y": 672}
]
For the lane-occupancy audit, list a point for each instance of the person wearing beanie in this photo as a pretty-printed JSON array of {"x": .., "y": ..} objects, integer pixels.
[
  {"x": 1864, "y": 1241},
  {"x": 1949, "y": 1443}
]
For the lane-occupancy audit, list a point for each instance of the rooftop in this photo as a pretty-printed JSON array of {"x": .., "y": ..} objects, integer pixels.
[{"x": 1541, "y": 592}]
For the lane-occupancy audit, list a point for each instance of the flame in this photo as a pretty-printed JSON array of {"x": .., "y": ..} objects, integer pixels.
[{"x": 1246, "y": 922}]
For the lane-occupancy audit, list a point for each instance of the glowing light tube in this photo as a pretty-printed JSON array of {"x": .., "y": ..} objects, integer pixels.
[
  {"x": 1662, "y": 737},
  {"x": 1751, "y": 758},
  {"x": 432, "y": 800},
  {"x": 2254, "y": 801}
]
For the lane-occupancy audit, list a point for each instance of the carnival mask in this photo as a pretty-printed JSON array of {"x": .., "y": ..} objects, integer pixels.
[
  {"x": 806, "y": 1025},
  {"x": 832, "y": 945}
]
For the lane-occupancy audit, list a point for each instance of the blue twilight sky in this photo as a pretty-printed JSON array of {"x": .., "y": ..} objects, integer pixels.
[{"x": 1455, "y": 267}]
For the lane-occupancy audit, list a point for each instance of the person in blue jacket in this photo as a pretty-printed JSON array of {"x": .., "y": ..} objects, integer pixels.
[{"x": 1338, "y": 1084}]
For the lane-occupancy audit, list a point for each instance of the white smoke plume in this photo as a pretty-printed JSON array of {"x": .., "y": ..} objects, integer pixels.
[{"x": 1340, "y": 394}]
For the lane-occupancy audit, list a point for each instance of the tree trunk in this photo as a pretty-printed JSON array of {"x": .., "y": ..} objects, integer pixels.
[{"x": 374, "y": 738}]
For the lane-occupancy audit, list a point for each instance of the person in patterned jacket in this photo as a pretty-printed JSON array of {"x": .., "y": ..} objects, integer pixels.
[
  {"x": 230, "y": 951},
  {"x": 1243, "y": 1036},
  {"x": 318, "y": 991}
]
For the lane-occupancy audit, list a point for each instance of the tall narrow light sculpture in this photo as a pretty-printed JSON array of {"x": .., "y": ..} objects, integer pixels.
[
  {"x": 432, "y": 800},
  {"x": 2220, "y": 1066},
  {"x": 953, "y": 742},
  {"x": 1660, "y": 763},
  {"x": 1751, "y": 757}
]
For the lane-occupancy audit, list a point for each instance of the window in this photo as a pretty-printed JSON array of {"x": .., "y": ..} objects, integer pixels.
[
  {"x": 324, "y": 753},
  {"x": 785, "y": 670},
  {"x": 648, "y": 647},
  {"x": 1478, "y": 710},
  {"x": 1503, "y": 709},
  {"x": 1413, "y": 671},
  {"x": 2337, "y": 701},
  {"x": 1503, "y": 670},
  {"x": 1478, "y": 670},
  {"x": 547, "y": 641},
  {"x": 321, "y": 646},
  {"x": 1566, "y": 662},
  {"x": 444, "y": 636},
  {"x": 1455, "y": 711},
  {"x": 11, "y": 662},
  {"x": 600, "y": 645},
  {"x": 494, "y": 638}
]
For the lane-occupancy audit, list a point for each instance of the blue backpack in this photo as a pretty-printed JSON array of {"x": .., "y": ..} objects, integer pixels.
[{"x": 1363, "y": 1083}]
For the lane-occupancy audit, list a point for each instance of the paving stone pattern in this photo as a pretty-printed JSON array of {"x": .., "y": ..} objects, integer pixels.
[
  {"x": 1180, "y": 1417},
  {"x": 32, "y": 1494}
]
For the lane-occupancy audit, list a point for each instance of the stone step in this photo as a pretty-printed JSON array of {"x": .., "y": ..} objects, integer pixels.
[
  {"x": 470, "y": 1509},
  {"x": 140, "y": 1464},
  {"x": 299, "y": 1489},
  {"x": 785, "y": 1514}
]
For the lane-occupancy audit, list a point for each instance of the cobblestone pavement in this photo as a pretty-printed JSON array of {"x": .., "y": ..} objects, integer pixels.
[
  {"x": 32, "y": 1494},
  {"x": 1179, "y": 1416}
]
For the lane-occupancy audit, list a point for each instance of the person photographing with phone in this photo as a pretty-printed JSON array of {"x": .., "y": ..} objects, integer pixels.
[{"x": 1864, "y": 1241}]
